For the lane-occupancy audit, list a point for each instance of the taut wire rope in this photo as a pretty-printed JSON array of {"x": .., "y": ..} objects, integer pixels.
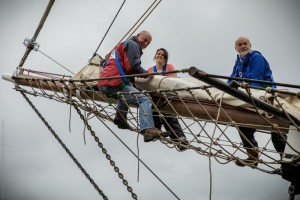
[
  {"x": 108, "y": 28},
  {"x": 139, "y": 22}
]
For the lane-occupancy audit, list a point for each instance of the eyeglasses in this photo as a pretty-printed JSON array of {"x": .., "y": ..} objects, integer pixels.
[{"x": 242, "y": 43}]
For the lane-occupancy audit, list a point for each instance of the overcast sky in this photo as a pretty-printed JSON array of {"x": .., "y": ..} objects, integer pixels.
[{"x": 197, "y": 33}]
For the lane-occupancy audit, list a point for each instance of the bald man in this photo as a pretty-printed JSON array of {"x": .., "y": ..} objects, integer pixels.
[
  {"x": 251, "y": 64},
  {"x": 125, "y": 59}
]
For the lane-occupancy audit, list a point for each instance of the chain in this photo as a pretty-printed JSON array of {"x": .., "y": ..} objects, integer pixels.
[
  {"x": 104, "y": 151},
  {"x": 65, "y": 147}
]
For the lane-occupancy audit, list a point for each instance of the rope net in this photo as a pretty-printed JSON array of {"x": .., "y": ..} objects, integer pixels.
[{"x": 211, "y": 126}]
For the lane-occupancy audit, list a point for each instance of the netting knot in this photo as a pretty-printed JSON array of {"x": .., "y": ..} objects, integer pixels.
[
  {"x": 269, "y": 90},
  {"x": 244, "y": 85},
  {"x": 275, "y": 126}
]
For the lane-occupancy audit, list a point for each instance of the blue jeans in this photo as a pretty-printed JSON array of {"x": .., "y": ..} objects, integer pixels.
[{"x": 139, "y": 100}]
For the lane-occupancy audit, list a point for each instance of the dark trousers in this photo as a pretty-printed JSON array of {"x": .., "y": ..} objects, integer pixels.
[
  {"x": 172, "y": 123},
  {"x": 277, "y": 140}
]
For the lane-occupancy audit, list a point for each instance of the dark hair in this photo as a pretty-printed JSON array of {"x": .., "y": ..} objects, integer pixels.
[{"x": 166, "y": 54}]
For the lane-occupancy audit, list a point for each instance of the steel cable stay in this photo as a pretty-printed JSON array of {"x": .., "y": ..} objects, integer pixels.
[
  {"x": 137, "y": 24},
  {"x": 108, "y": 28},
  {"x": 140, "y": 20}
]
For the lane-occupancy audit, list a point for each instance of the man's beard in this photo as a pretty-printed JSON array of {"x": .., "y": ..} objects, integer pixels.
[{"x": 243, "y": 53}]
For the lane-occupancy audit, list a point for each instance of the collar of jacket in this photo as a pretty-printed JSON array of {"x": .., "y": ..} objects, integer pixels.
[
  {"x": 246, "y": 56},
  {"x": 134, "y": 38}
]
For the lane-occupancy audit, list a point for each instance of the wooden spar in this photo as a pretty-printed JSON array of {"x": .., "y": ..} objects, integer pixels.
[
  {"x": 201, "y": 75},
  {"x": 33, "y": 39},
  {"x": 210, "y": 111},
  {"x": 189, "y": 109}
]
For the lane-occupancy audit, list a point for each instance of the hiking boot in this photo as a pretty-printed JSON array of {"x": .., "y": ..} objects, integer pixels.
[
  {"x": 151, "y": 134},
  {"x": 121, "y": 120},
  {"x": 251, "y": 160},
  {"x": 181, "y": 143}
]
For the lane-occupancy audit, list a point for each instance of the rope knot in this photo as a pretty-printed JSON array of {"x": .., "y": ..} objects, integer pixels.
[{"x": 244, "y": 85}]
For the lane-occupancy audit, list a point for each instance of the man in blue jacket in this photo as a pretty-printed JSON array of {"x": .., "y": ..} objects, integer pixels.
[{"x": 251, "y": 64}]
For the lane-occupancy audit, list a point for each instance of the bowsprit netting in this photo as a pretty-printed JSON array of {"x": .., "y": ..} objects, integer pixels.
[{"x": 211, "y": 124}]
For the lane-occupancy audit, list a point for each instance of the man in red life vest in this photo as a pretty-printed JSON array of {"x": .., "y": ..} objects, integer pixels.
[{"x": 125, "y": 59}]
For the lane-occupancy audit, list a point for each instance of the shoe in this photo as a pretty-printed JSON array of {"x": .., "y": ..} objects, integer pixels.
[
  {"x": 165, "y": 134},
  {"x": 252, "y": 159},
  {"x": 181, "y": 143},
  {"x": 151, "y": 134},
  {"x": 121, "y": 124},
  {"x": 121, "y": 121}
]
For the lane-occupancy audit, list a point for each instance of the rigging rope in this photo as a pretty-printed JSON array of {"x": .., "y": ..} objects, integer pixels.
[
  {"x": 55, "y": 61},
  {"x": 108, "y": 29},
  {"x": 223, "y": 141},
  {"x": 219, "y": 144},
  {"x": 140, "y": 21},
  {"x": 134, "y": 27}
]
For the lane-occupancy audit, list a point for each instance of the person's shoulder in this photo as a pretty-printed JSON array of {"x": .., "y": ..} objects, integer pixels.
[
  {"x": 170, "y": 67},
  {"x": 256, "y": 53},
  {"x": 150, "y": 69},
  {"x": 257, "y": 56},
  {"x": 130, "y": 43}
]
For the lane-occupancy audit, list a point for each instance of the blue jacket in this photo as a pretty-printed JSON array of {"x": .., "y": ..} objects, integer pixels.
[{"x": 253, "y": 66}]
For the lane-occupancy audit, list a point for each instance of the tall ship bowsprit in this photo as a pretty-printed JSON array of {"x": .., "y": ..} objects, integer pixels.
[{"x": 209, "y": 110}]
